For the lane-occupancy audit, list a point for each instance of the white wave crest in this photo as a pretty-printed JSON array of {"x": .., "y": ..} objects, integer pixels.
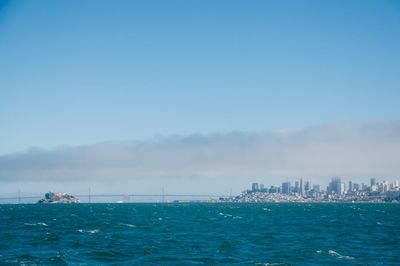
[
  {"x": 129, "y": 225},
  {"x": 336, "y": 254},
  {"x": 88, "y": 231}
]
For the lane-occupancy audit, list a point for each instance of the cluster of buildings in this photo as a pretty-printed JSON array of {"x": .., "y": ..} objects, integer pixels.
[{"x": 336, "y": 191}]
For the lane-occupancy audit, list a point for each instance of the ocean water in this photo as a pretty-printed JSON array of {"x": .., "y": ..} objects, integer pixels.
[{"x": 200, "y": 234}]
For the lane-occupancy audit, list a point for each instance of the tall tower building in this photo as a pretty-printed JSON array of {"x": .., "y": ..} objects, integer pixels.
[
  {"x": 341, "y": 188},
  {"x": 373, "y": 181},
  {"x": 286, "y": 188},
  {"x": 307, "y": 187},
  {"x": 296, "y": 187},
  {"x": 254, "y": 187},
  {"x": 301, "y": 189},
  {"x": 335, "y": 186},
  {"x": 351, "y": 188}
]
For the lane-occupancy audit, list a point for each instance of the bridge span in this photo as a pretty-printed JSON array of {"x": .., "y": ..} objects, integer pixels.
[{"x": 131, "y": 197}]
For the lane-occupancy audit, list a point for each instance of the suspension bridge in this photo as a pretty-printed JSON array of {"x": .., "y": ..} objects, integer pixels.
[{"x": 89, "y": 198}]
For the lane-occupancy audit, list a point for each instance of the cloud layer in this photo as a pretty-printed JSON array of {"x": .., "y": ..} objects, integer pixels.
[{"x": 345, "y": 149}]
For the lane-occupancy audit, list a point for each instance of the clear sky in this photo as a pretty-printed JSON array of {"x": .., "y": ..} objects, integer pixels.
[
  {"x": 237, "y": 90},
  {"x": 78, "y": 72}
]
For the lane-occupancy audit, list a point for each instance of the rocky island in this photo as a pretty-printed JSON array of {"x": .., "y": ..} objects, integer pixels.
[{"x": 51, "y": 197}]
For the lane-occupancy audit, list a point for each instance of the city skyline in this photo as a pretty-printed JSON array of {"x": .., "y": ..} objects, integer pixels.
[
  {"x": 336, "y": 184},
  {"x": 301, "y": 190}
]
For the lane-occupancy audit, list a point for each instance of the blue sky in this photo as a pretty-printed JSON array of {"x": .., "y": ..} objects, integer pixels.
[
  {"x": 77, "y": 72},
  {"x": 197, "y": 94}
]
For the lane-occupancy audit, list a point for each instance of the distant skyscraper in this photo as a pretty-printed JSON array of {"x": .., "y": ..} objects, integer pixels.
[
  {"x": 341, "y": 189},
  {"x": 316, "y": 188},
  {"x": 273, "y": 189},
  {"x": 286, "y": 189},
  {"x": 254, "y": 187},
  {"x": 373, "y": 181},
  {"x": 307, "y": 187},
  {"x": 351, "y": 188},
  {"x": 336, "y": 186},
  {"x": 301, "y": 189},
  {"x": 296, "y": 187},
  {"x": 385, "y": 186},
  {"x": 364, "y": 186}
]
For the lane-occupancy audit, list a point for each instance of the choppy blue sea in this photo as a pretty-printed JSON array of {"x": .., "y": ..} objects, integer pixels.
[{"x": 200, "y": 234}]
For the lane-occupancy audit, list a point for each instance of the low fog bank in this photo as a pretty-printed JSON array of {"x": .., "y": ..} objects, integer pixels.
[{"x": 356, "y": 150}]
